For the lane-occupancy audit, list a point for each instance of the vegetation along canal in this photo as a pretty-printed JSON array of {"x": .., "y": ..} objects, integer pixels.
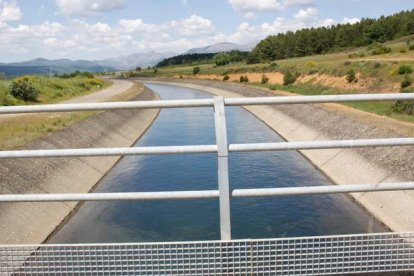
[{"x": 199, "y": 219}]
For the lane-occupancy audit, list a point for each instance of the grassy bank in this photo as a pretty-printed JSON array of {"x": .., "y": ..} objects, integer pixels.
[
  {"x": 18, "y": 131},
  {"x": 384, "y": 108},
  {"x": 51, "y": 90}
]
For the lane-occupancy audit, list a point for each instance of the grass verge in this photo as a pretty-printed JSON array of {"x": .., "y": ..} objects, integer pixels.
[{"x": 18, "y": 131}]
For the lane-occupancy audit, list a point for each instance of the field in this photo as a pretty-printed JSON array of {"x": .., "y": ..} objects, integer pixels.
[
  {"x": 52, "y": 90},
  {"x": 320, "y": 74}
]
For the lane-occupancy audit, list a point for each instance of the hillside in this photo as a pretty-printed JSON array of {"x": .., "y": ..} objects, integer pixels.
[{"x": 44, "y": 66}]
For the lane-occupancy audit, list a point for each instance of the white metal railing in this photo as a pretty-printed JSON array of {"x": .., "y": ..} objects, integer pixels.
[{"x": 221, "y": 148}]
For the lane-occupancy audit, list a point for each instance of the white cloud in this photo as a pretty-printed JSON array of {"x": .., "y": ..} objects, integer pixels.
[
  {"x": 195, "y": 25},
  {"x": 307, "y": 14},
  {"x": 350, "y": 20},
  {"x": 9, "y": 11},
  {"x": 247, "y": 8},
  {"x": 87, "y": 8},
  {"x": 298, "y": 2}
]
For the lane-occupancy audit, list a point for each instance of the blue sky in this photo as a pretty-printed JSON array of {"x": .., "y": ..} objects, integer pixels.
[{"x": 95, "y": 29}]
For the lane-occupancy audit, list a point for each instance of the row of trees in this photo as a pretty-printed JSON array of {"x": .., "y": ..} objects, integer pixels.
[
  {"x": 312, "y": 41},
  {"x": 186, "y": 59}
]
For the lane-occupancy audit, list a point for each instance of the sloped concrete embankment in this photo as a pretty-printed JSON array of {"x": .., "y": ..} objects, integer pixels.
[
  {"x": 343, "y": 166},
  {"x": 32, "y": 223}
]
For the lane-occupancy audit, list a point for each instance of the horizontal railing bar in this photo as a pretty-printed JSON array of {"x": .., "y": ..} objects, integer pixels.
[
  {"x": 204, "y": 103},
  {"x": 106, "y": 106},
  {"x": 263, "y": 192},
  {"x": 109, "y": 196},
  {"x": 207, "y": 148},
  {"x": 357, "y": 188},
  {"x": 109, "y": 151},
  {"x": 318, "y": 99},
  {"x": 329, "y": 144}
]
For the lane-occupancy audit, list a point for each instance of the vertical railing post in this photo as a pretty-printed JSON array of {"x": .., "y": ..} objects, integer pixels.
[{"x": 223, "y": 167}]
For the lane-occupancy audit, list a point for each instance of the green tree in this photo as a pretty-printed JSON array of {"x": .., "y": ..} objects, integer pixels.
[
  {"x": 374, "y": 33},
  {"x": 235, "y": 56},
  {"x": 221, "y": 59}
]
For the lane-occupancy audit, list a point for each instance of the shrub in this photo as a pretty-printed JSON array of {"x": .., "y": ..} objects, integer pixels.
[
  {"x": 377, "y": 65},
  {"x": 406, "y": 82},
  {"x": 403, "y": 51},
  {"x": 352, "y": 56},
  {"x": 351, "y": 76},
  {"x": 406, "y": 107},
  {"x": 289, "y": 78},
  {"x": 346, "y": 63},
  {"x": 362, "y": 55},
  {"x": 244, "y": 79},
  {"x": 411, "y": 47},
  {"x": 273, "y": 65},
  {"x": 265, "y": 79},
  {"x": 405, "y": 69},
  {"x": 23, "y": 89},
  {"x": 273, "y": 87},
  {"x": 379, "y": 49},
  {"x": 196, "y": 70},
  {"x": 311, "y": 64},
  {"x": 226, "y": 77}
]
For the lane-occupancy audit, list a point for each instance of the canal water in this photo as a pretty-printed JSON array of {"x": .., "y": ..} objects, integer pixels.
[{"x": 199, "y": 219}]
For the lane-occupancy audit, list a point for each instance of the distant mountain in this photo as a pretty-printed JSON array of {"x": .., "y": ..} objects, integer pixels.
[
  {"x": 135, "y": 60},
  {"x": 221, "y": 47},
  {"x": 45, "y": 66}
]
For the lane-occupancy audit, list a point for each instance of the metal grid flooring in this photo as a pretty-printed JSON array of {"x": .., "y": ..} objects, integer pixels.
[{"x": 325, "y": 255}]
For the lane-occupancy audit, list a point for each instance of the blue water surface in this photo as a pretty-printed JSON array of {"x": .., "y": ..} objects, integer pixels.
[{"x": 199, "y": 219}]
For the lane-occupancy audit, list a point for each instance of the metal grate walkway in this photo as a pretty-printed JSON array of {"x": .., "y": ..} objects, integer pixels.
[{"x": 325, "y": 255}]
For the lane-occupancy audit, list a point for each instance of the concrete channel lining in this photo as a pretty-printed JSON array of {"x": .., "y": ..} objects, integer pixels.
[{"x": 32, "y": 223}]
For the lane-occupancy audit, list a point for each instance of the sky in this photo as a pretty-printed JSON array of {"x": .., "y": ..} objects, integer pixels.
[{"x": 97, "y": 29}]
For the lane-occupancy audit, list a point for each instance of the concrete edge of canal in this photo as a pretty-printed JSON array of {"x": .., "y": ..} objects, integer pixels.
[{"x": 32, "y": 223}]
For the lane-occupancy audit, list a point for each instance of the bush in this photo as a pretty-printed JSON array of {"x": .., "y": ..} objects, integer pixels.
[
  {"x": 244, "y": 79},
  {"x": 403, "y": 51},
  {"x": 351, "y": 76},
  {"x": 346, "y": 63},
  {"x": 265, "y": 79},
  {"x": 405, "y": 69},
  {"x": 411, "y": 47},
  {"x": 406, "y": 82},
  {"x": 311, "y": 64},
  {"x": 226, "y": 77},
  {"x": 362, "y": 55},
  {"x": 379, "y": 49},
  {"x": 23, "y": 89},
  {"x": 289, "y": 78},
  {"x": 273, "y": 65},
  {"x": 196, "y": 70},
  {"x": 377, "y": 65},
  {"x": 406, "y": 107}
]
